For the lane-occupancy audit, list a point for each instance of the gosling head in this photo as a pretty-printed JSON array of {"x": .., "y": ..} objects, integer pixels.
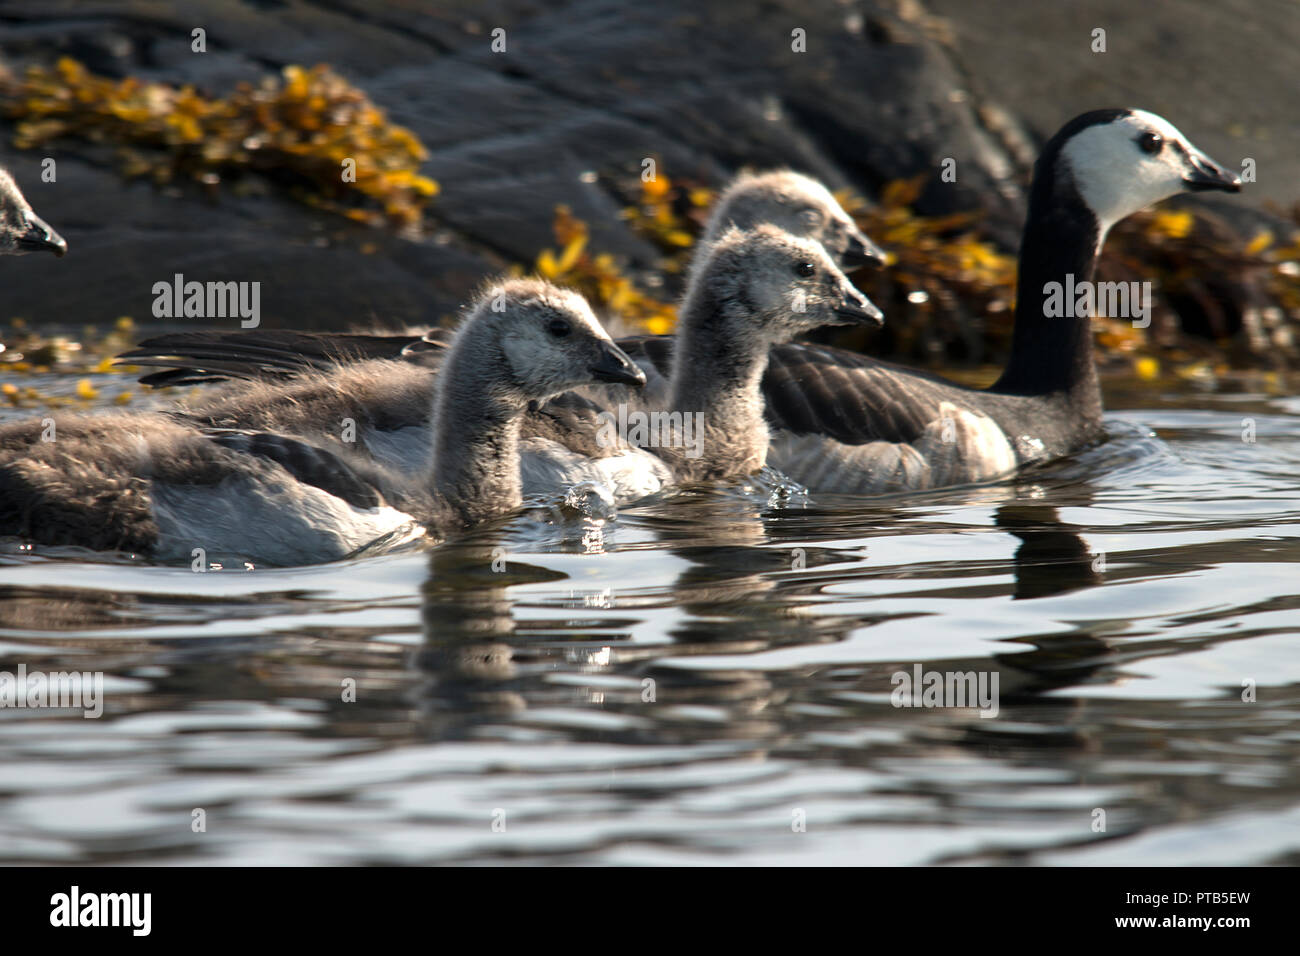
[
  {"x": 541, "y": 340},
  {"x": 798, "y": 204},
  {"x": 766, "y": 286},
  {"x": 21, "y": 230},
  {"x": 1121, "y": 161}
]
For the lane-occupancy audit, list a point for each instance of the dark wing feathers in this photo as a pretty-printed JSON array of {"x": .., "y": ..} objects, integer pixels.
[
  {"x": 180, "y": 376},
  {"x": 307, "y": 463},
  {"x": 846, "y": 396},
  {"x": 266, "y": 353}
]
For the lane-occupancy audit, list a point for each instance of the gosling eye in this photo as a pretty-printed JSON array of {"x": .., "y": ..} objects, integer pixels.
[
  {"x": 559, "y": 328},
  {"x": 805, "y": 269},
  {"x": 1150, "y": 142}
]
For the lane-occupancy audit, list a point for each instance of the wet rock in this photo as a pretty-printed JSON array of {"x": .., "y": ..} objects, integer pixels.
[
  {"x": 883, "y": 91},
  {"x": 597, "y": 89}
]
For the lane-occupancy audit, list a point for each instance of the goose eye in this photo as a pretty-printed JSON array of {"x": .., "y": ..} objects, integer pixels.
[
  {"x": 559, "y": 328},
  {"x": 1150, "y": 143},
  {"x": 805, "y": 269}
]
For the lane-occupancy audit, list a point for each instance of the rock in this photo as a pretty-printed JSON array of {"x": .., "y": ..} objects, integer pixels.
[
  {"x": 883, "y": 91},
  {"x": 702, "y": 89}
]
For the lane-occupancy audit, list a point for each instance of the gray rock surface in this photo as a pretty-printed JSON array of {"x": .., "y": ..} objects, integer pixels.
[{"x": 885, "y": 90}]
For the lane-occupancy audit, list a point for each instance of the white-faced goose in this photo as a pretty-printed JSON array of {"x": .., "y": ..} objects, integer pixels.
[
  {"x": 850, "y": 423},
  {"x": 160, "y": 486},
  {"x": 845, "y": 422}
]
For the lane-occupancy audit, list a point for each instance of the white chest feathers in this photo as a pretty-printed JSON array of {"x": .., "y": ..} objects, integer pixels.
[
  {"x": 268, "y": 522},
  {"x": 960, "y": 446}
]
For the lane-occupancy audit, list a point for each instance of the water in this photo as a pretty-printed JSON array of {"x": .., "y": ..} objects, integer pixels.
[{"x": 502, "y": 710}]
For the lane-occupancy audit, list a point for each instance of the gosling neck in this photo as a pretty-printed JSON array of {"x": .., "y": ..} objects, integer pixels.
[
  {"x": 718, "y": 372},
  {"x": 476, "y": 443}
]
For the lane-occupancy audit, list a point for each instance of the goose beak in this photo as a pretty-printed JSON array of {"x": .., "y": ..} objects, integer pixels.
[
  {"x": 862, "y": 252},
  {"x": 39, "y": 237},
  {"x": 615, "y": 367},
  {"x": 856, "y": 309},
  {"x": 1207, "y": 174}
]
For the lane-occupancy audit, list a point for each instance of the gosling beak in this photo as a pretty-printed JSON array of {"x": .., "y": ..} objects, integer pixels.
[
  {"x": 1207, "y": 174},
  {"x": 39, "y": 237},
  {"x": 862, "y": 252},
  {"x": 856, "y": 309},
  {"x": 615, "y": 367}
]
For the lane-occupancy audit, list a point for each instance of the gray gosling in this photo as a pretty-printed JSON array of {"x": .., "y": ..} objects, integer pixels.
[
  {"x": 754, "y": 289},
  {"x": 800, "y": 205},
  {"x": 162, "y": 486}
]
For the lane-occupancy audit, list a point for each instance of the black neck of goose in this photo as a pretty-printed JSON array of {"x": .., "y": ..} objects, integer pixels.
[{"x": 1053, "y": 354}]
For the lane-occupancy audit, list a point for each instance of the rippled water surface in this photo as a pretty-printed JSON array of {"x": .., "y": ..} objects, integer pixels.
[{"x": 707, "y": 679}]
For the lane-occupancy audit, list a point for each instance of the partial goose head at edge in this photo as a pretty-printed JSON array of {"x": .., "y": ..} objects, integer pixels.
[{"x": 21, "y": 230}]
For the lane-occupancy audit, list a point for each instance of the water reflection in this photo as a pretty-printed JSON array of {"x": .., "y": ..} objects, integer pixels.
[
  {"x": 672, "y": 686},
  {"x": 468, "y": 626},
  {"x": 1052, "y": 558}
]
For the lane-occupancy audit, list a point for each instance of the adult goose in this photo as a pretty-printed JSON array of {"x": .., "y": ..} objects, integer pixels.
[
  {"x": 21, "y": 230},
  {"x": 844, "y": 422},
  {"x": 160, "y": 486},
  {"x": 751, "y": 290},
  {"x": 852, "y": 424}
]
